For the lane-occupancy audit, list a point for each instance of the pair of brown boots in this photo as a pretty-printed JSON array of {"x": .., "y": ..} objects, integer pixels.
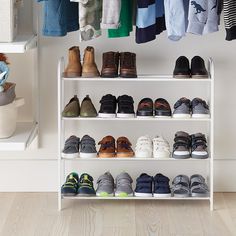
[
  {"x": 74, "y": 67},
  {"x": 111, "y": 61},
  {"x": 111, "y": 148}
]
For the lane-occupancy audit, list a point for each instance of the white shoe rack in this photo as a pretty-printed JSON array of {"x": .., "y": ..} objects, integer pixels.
[{"x": 97, "y": 87}]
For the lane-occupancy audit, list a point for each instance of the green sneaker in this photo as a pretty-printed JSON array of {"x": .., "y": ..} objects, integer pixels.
[
  {"x": 72, "y": 109},
  {"x": 86, "y": 186},
  {"x": 70, "y": 187},
  {"x": 87, "y": 108}
]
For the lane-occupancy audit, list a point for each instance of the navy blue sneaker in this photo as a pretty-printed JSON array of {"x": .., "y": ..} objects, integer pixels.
[
  {"x": 143, "y": 186},
  {"x": 86, "y": 186},
  {"x": 70, "y": 187},
  {"x": 161, "y": 186}
]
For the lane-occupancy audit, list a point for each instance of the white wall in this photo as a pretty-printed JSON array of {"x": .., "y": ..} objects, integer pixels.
[{"x": 40, "y": 174}]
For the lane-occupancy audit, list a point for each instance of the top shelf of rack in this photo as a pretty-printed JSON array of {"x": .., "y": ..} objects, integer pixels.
[
  {"x": 21, "y": 44},
  {"x": 151, "y": 78}
]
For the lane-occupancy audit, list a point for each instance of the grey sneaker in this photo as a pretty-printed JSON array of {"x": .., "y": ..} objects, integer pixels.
[
  {"x": 88, "y": 147},
  {"x": 181, "y": 148},
  {"x": 105, "y": 185},
  {"x": 182, "y": 108},
  {"x": 71, "y": 148},
  {"x": 199, "y": 146},
  {"x": 124, "y": 185},
  {"x": 198, "y": 186},
  {"x": 200, "y": 109}
]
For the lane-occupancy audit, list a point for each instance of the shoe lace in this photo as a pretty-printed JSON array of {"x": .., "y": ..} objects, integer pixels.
[
  {"x": 123, "y": 144},
  {"x": 107, "y": 145}
]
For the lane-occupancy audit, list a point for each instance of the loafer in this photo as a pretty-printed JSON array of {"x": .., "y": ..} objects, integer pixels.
[
  {"x": 198, "y": 69},
  {"x": 182, "y": 69}
]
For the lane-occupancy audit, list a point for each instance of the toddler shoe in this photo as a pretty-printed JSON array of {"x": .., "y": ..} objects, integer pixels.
[
  {"x": 70, "y": 187},
  {"x": 124, "y": 148},
  {"x": 71, "y": 148},
  {"x": 107, "y": 148},
  {"x": 86, "y": 188},
  {"x": 108, "y": 106},
  {"x": 200, "y": 109},
  {"x": 181, "y": 147},
  {"x": 143, "y": 147},
  {"x": 124, "y": 185},
  {"x": 161, "y": 186},
  {"x": 199, "y": 146},
  {"x": 182, "y": 108},
  {"x": 88, "y": 147},
  {"x": 105, "y": 186},
  {"x": 162, "y": 108},
  {"x": 143, "y": 186},
  {"x": 161, "y": 148}
]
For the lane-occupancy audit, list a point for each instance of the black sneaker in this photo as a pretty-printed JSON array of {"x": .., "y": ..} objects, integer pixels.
[
  {"x": 182, "y": 69},
  {"x": 108, "y": 106},
  {"x": 70, "y": 187},
  {"x": 161, "y": 186},
  {"x": 162, "y": 108},
  {"x": 145, "y": 108},
  {"x": 86, "y": 186},
  {"x": 125, "y": 106},
  {"x": 198, "y": 69}
]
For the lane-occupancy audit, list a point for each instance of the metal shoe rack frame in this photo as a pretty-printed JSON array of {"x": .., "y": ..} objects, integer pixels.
[{"x": 209, "y": 82}]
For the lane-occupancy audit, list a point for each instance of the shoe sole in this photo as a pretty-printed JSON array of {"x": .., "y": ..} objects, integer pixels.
[
  {"x": 85, "y": 195},
  {"x": 90, "y": 75},
  {"x": 109, "y": 75},
  {"x": 124, "y": 155},
  {"x": 200, "y": 116},
  {"x": 87, "y": 155},
  {"x": 142, "y": 155},
  {"x": 71, "y": 75},
  {"x": 70, "y": 156},
  {"x": 164, "y": 157},
  {"x": 68, "y": 194},
  {"x": 124, "y": 194},
  {"x": 200, "y": 76},
  {"x": 128, "y": 76},
  {"x": 104, "y": 194},
  {"x": 164, "y": 117},
  {"x": 142, "y": 194},
  {"x": 199, "y": 194},
  {"x": 179, "y": 116},
  {"x": 181, "y": 76},
  {"x": 106, "y": 155},
  {"x": 199, "y": 156},
  {"x": 181, "y": 156},
  {"x": 161, "y": 195},
  {"x": 181, "y": 195},
  {"x": 106, "y": 115},
  {"x": 124, "y": 115}
]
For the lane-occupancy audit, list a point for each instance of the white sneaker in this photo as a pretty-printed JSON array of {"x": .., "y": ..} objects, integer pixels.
[
  {"x": 143, "y": 147},
  {"x": 161, "y": 148}
]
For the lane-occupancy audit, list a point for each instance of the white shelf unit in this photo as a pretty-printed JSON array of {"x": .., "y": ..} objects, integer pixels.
[
  {"x": 26, "y": 131},
  {"x": 21, "y": 44},
  {"x": 208, "y": 163}
]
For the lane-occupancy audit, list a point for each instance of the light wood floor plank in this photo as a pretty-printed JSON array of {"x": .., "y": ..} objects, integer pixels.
[{"x": 35, "y": 214}]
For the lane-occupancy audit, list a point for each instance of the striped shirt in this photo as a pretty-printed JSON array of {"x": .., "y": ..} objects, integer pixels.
[
  {"x": 230, "y": 19},
  {"x": 150, "y": 20}
]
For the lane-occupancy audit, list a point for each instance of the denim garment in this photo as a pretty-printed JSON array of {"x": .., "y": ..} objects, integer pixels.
[
  {"x": 60, "y": 17},
  {"x": 176, "y": 16},
  {"x": 4, "y": 72}
]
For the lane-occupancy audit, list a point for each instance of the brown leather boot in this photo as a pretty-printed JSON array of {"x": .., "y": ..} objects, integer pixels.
[
  {"x": 89, "y": 66},
  {"x": 74, "y": 67},
  {"x": 128, "y": 65},
  {"x": 124, "y": 147},
  {"x": 107, "y": 148},
  {"x": 110, "y": 64}
]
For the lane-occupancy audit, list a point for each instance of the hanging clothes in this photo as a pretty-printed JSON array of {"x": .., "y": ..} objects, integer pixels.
[
  {"x": 60, "y": 17},
  {"x": 90, "y": 13},
  {"x": 149, "y": 20},
  {"x": 126, "y": 21},
  {"x": 229, "y": 7},
  {"x": 203, "y": 17},
  {"x": 110, "y": 14},
  {"x": 176, "y": 16}
]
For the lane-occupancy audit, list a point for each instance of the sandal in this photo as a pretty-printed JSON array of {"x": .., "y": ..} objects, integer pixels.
[
  {"x": 198, "y": 186},
  {"x": 181, "y": 186}
]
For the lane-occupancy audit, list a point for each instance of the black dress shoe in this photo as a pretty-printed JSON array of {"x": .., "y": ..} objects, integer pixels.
[
  {"x": 182, "y": 69},
  {"x": 198, "y": 68}
]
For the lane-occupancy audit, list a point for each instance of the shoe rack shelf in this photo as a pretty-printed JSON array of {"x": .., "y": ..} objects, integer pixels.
[
  {"x": 155, "y": 79},
  {"x": 21, "y": 44},
  {"x": 26, "y": 132},
  {"x": 136, "y": 198}
]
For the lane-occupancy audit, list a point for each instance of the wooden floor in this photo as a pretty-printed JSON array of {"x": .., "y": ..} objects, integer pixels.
[{"x": 36, "y": 214}]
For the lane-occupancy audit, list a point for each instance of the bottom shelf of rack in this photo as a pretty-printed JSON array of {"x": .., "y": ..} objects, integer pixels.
[{"x": 133, "y": 198}]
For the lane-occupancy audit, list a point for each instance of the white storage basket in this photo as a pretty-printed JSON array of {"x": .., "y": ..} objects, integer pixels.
[{"x": 8, "y": 19}]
